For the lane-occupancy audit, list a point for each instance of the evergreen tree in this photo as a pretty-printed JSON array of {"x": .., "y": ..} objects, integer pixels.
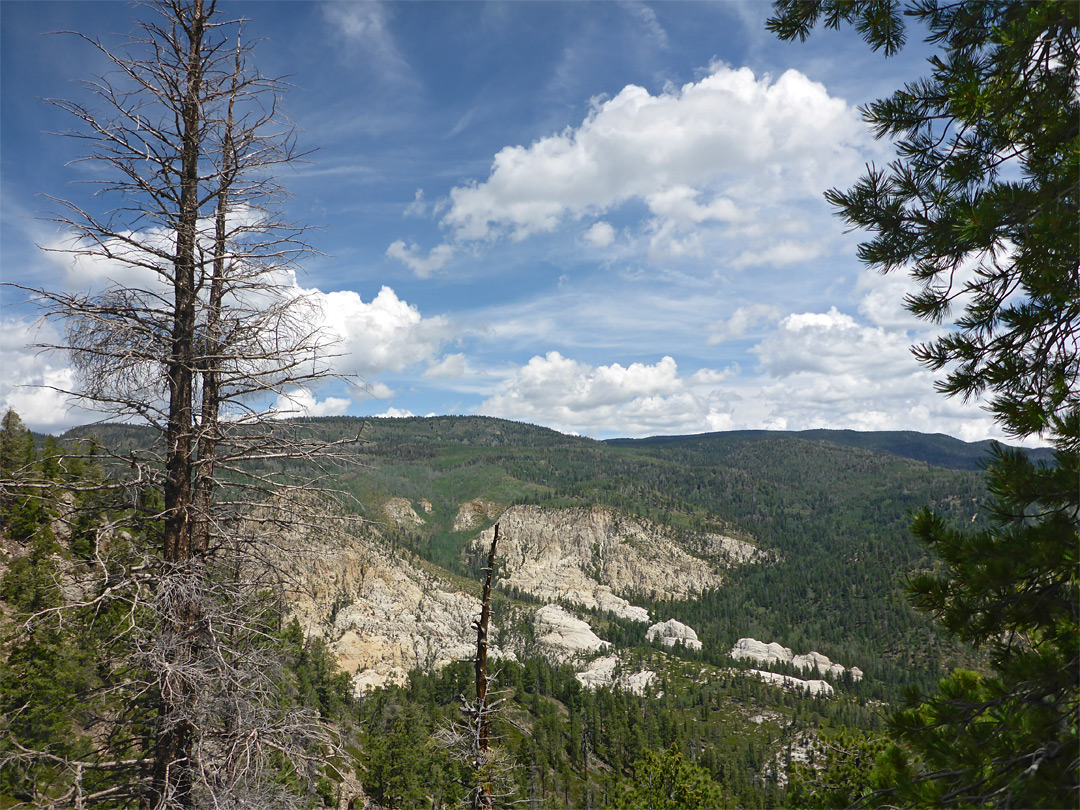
[
  {"x": 21, "y": 512},
  {"x": 982, "y": 206},
  {"x": 188, "y": 138},
  {"x": 981, "y": 203},
  {"x": 668, "y": 782},
  {"x": 16, "y": 446}
]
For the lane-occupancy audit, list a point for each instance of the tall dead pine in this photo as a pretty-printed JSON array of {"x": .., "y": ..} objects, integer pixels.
[
  {"x": 470, "y": 741},
  {"x": 483, "y": 732}
]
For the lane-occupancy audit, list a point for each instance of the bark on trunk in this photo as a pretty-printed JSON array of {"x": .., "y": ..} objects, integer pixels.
[{"x": 171, "y": 783}]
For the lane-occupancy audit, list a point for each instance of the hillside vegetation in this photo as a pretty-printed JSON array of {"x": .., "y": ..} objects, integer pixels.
[
  {"x": 829, "y": 519},
  {"x": 835, "y": 514}
]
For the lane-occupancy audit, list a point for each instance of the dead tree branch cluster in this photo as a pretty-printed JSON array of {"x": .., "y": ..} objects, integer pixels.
[{"x": 193, "y": 324}]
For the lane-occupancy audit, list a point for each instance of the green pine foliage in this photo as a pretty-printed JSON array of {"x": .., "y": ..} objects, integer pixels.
[
  {"x": 1010, "y": 734},
  {"x": 571, "y": 747},
  {"x": 982, "y": 207},
  {"x": 73, "y": 684},
  {"x": 844, "y": 773},
  {"x": 666, "y": 781}
]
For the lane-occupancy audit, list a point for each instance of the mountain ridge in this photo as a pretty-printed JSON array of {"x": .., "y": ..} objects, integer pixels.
[{"x": 938, "y": 449}]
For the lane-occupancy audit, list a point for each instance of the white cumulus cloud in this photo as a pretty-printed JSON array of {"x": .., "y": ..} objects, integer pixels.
[
  {"x": 782, "y": 137},
  {"x": 715, "y": 153},
  {"x": 302, "y": 402},
  {"x": 638, "y": 399},
  {"x": 826, "y": 369},
  {"x": 384, "y": 334},
  {"x": 600, "y": 235},
  {"x": 33, "y": 382},
  {"x": 412, "y": 257}
]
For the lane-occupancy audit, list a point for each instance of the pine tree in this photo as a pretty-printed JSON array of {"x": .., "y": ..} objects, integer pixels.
[{"x": 981, "y": 205}]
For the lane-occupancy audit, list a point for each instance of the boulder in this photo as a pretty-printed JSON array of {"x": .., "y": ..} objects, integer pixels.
[
  {"x": 562, "y": 637},
  {"x": 401, "y": 513},
  {"x": 673, "y": 632},
  {"x": 601, "y": 672},
  {"x": 754, "y": 650},
  {"x": 814, "y": 687},
  {"x": 760, "y": 651},
  {"x": 595, "y": 558}
]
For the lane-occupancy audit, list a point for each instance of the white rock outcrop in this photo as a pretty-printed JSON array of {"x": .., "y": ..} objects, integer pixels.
[
  {"x": 760, "y": 651},
  {"x": 474, "y": 513},
  {"x": 815, "y": 660},
  {"x": 754, "y": 650},
  {"x": 602, "y": 672},
  {"x": 562, "y": 637},
  {"x": 735, "y": 551},
  {"x": 673, "y": 632},
  {"x": 381, "y": 611},
  {"x": 401, "y": 513},
  {"x": 596, "y": 558},
  {"x": 814, "y": 687},
  {"x": 616, "y": 605}
]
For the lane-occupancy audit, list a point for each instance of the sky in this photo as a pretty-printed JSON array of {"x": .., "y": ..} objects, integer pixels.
[{"x": 601, "y": 217}]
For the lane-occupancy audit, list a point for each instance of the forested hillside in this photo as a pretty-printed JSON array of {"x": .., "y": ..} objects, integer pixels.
[
  {"x": 830, "y": 522},
  {"x": 836, "y": 515}
]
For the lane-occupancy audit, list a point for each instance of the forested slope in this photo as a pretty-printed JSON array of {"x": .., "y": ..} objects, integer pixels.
[{"x": 832, "y": 520}]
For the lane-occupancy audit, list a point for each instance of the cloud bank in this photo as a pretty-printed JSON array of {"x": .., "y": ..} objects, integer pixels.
[{"x": 711, "y": 153}]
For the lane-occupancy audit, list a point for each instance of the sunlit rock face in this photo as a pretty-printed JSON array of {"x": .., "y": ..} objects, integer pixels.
[
  {"x": 673, "y": 632},
  {"x": 400, "y": 512},
  {"x": 562, "y": 637},
  {"x": 754, "y": 650},
  {"x": 607, "y": 671},
  {"x": 599, "y": 559},
  {"x": 814, "y": 687},
  {"x": 759, "y": 651},
  {"x": 474, "y": 513},
  {"x": 381, "y": 610}
]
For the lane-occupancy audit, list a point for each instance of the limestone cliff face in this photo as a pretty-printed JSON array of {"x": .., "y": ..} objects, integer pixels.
[
  {"x": 754, "y": 650},
  {"x": 563, "y": 638},
  {"x": 814, "y": 687},
  {"x": 674, "y": 632},
  {"x": 473, "y": 514},
  {"x": 400, "y": 512},
  {"x": 382, "y": 611},
  {"x": 597, "y": 558},
  {"x": 611, "y": 671}
]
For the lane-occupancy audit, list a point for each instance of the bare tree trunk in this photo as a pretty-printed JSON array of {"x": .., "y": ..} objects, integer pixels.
[
  {"x": 482, "y": 796},
  {"x": 482, "y": 641},
  {"x": 212, "y": 349},
  {"x": 188, "y": 135},
  {"x": 172, "y": 781}
]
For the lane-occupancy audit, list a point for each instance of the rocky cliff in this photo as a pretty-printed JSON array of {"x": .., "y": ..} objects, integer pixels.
[
  {"x": 382, "y": 611},
  {"x": 673, "y": 632},
  {"x": 773, "y": 653},
  {"x": 599, "y": 559}
]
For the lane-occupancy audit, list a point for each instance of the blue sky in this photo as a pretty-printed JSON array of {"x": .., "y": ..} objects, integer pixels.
[{"x": 601, "y": 217}]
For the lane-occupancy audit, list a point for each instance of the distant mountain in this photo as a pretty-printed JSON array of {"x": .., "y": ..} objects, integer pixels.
[
  {"x": 932, "y": 448},
  {"x": 795, "y": 545},
  {"x": 825, "y": 513}
]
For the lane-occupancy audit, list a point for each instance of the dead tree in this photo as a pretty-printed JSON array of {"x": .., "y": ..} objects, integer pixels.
[
  {"x": 203, "y": 335},
  {"x": 482, "y": 730},
  {"x": 471, "y": 741}
]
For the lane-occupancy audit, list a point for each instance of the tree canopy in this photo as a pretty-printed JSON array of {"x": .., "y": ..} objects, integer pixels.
[
  {"x": 980, "y": 207},
  {"x": 981, "y": 203}
]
